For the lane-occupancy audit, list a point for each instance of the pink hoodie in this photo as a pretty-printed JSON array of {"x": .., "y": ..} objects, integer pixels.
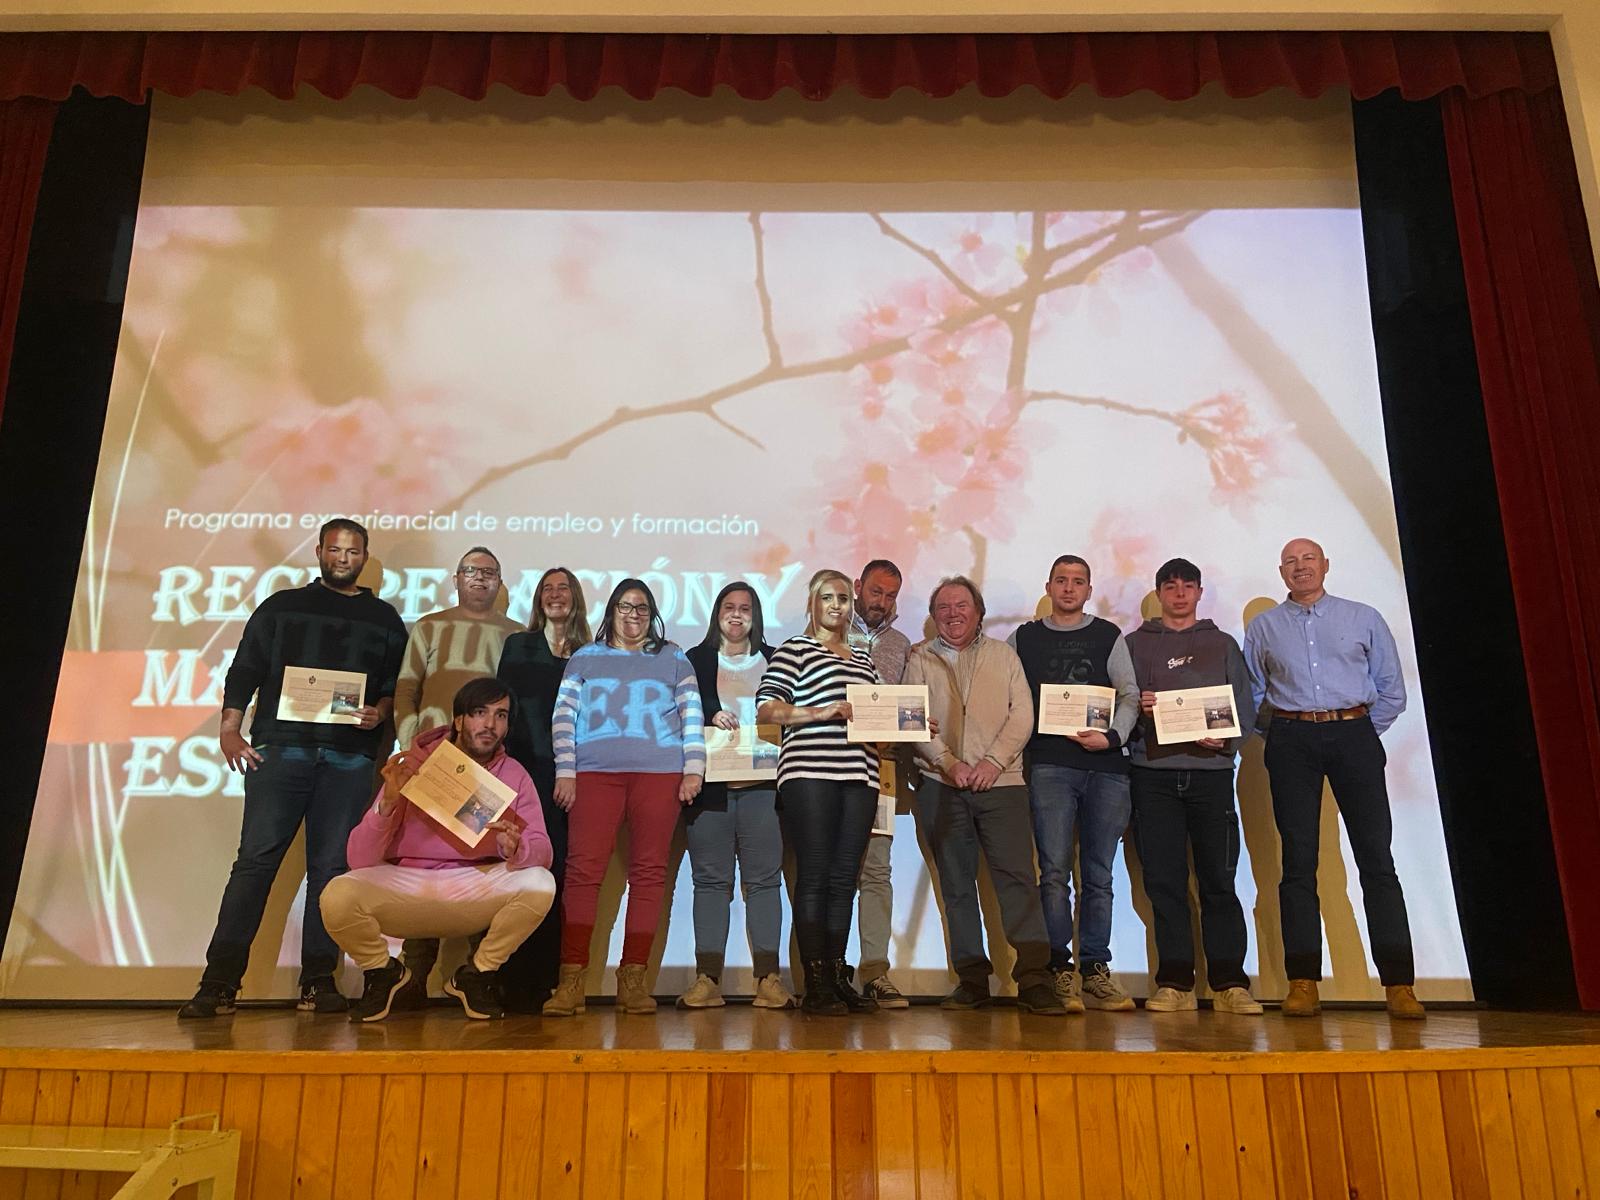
[{"x": 405, "y": 837}]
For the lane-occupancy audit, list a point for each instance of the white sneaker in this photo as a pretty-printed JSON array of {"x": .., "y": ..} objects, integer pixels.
[
  {"x": 1169, "y": 999},
  {"x": 1236, "y": 1000},
  {"x": 770, "y": 993},
  {"x": 705, "y": 992},
  {"x": 1068, "y": 990},
  {"x": 1102, "y": 991}
]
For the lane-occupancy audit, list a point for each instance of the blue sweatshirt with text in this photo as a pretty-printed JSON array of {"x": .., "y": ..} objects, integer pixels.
[{"x": 629, "y": 710}]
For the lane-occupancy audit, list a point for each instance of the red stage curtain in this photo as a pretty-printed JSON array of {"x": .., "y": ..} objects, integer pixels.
[
  {"x": 1174, "y": 65},
  {"x": 24, "y": 137},
  {"x": 1531, "y": 288}
]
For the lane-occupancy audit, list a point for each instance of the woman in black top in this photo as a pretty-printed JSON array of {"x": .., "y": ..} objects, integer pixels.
[{"x": 531, "y": 665}]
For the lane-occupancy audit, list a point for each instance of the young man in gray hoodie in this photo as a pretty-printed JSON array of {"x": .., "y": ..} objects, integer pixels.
[{"x": 1183, "y": 799}]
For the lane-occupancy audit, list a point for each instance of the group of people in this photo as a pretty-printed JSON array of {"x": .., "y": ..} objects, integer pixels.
[{"x": 597, "y": 733}]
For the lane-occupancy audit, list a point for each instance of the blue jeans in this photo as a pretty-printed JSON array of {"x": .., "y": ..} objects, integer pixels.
[
  {"x": 1097, "y": 805},
  {"x": 328, "y": 790},
  {"x": 747, "y": 830}
]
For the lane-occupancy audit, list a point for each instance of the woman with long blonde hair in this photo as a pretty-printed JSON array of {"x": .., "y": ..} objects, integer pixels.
[{"x": 828, "y": 786}]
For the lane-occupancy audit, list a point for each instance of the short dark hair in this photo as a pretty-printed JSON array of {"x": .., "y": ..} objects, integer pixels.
[
  {"x": 758, "y": 636},
  {"x": 480, "y": 693},
  {"x": 1177, "y": 568},
  {"x": 346, "y": 524},
  {"x": 958, "y": 581},
  {"x": 1072, "y": 560},
  {"x": 879, "y": 564},
  {"x": 478, "y": 550}
]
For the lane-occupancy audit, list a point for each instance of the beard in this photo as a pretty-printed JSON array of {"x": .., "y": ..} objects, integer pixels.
[{"x": 340, "y": 577}]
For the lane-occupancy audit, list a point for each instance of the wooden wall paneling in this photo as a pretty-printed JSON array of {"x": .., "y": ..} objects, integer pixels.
[
  {"x": 18, "y": 1092},
  {"x": 938, "y": 1165},
  {"x": 1499, "y": 1141},
  {"x": 563, "y": 1118},
  {"x": 1358, "y": 1125},
  {"x": 1178, "y": 1136},
  {"x": 688, "y": 1098},
  {"x": 1100, "y": 1138},
  {"x": 91, "y": 1097},
  {"x": 241, "y": 1110},
  {"x": 1289, "y": 1153},
  {"x": 855, "y": 1171},
  {"x": 977, "y": 1153},
  {"x": 1319, "y": 1107},
  {"x": 1060, "y": 1158},
  {"x": 483, "y": 1105},
  {"x": 276, "y": 1132},
  {"x": 439, "y": 1136},
  {"x": 1528, "y": 1127},
  {"x": 125, "y": 1110},
  {"x": 769, "y": 1137},
  {"x": 1586, "y": 1094},
  {"x": 894, "y": 1136},
  {"x": 1464, "y": 1150},
  {"x": 727, "y": 1136},
  {"x": 52, "y": 1106},
  {"x": 1561, "y": 1131},
  {"x": 1141, "y": 1149},
  {"x": 644, "y": 1153},
  {"x": 1215, "y": 1149},
  {"x": 316, "y": 1143},
  {"x": 1252, "y": 1134},
  {"x": 360, "y": 1108},
  {"x": 811, "y": 1143},
  {"x": 1017, "y": 1131},
  {"x": 523, "y": 1144},
  {"x": 1434, "y": 1169},
  {"x": 1397, "y": 1141},
  {"x": 604, "y": 1109},
  {"x": 394, "y": 1176}
]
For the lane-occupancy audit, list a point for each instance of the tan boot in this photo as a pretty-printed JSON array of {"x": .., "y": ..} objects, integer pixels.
[
  {"x": 1403, "y": 1003},
  {"x": 632, "y": 995},
  {"x": 567, "y": 999},
  {"x": 1302, "y": 1000}
]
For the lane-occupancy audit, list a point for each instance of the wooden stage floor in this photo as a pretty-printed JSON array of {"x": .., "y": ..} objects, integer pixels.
[{"x": 927, "y": 1104}]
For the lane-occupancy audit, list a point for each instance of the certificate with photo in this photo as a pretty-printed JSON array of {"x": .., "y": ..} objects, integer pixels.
[
  {"x": 748, "y": 754},
  {"x": 322, "y": 697},
  {"x": 887, "y": 713},
  {"x": 1194, "y": 713},
  {"x": 458, "y": 794},
  {"x": 883, "y": 819},
  {"x": 1069, "y": 708}
]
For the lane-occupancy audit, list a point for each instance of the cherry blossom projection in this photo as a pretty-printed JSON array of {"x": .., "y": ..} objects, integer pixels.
[{"x": 695, "y": 396}]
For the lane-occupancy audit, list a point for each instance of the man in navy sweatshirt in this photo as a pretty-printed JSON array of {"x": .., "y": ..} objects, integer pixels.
[
  {"x": 301, "y": 770},
  {"x": 1183, "y": 799}
]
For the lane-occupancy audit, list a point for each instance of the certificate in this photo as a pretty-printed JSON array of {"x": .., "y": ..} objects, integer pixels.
[
  {"x": 883, "y": 819},
  {"x": 745, "y": 755},
  {"x": 1075, "y": 707},
  {"x": 885, "y": 713},
  {"x": 1195, "y": 713},
  {"x": 891, "y": 779},
  {"x": 323, "y": 697},
  {"x": 458, "y": 794}
]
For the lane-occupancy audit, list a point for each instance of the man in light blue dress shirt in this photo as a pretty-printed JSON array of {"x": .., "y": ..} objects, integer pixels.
[{"x": 1329, "y": 671}]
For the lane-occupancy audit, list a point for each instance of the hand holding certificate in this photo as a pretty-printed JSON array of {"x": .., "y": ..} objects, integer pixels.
[
  {"x": 462, "y": 797},
  {"x": 744, "y": 755},
  {"x": 884, "y": 713},
  {"x": 1195, "y": 713},
  {"x": 1069, "y": 708},
  {"x": 322, "y": 697}
]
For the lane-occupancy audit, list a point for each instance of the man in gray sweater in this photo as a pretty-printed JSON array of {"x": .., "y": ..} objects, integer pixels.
[
  {"x": 1183, "y": 799},
  {"x": 972, "y": 795}
]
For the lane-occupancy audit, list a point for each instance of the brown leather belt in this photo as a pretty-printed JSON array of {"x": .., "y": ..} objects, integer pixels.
[{"x": 1326, "y": 714}]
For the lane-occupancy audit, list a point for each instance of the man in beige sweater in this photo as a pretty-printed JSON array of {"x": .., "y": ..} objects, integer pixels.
[{"x": 973, "y": 796}]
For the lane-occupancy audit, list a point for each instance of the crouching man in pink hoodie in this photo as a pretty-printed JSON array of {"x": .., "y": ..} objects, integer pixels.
[{"x": 409, "y": 878}]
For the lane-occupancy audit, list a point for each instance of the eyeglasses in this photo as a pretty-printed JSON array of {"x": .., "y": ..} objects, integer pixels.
[
  {"x": 624, "y": 609},
  {"x": 489, "y": 573}
]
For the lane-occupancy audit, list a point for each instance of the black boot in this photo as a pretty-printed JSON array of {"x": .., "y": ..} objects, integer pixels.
[
  {"x": 845, "y": 990},
  {"x": 821, "y": 995}
]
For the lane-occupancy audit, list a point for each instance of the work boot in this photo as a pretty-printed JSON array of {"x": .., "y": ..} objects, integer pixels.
[
  {"x": 567, "y": 999},
  {"x": 845, "y": 990},
  {"x": 1302, "y": 1000},
  {"x": 1402, "y": 1002},
  {"x": 821, "y": 997},
  {"x": 632, "y": 994}
]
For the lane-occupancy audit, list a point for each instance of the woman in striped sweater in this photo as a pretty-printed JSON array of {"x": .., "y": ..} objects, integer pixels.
[
  {"x": 828, "y": 787},
  {"x": 629, "y": 747}
]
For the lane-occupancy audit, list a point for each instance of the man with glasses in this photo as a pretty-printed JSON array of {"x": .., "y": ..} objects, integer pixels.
[{"x": 447, "y": 650}]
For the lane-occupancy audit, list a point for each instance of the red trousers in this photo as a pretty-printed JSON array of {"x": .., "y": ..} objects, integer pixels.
[{"x": 649, "y": 805}]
